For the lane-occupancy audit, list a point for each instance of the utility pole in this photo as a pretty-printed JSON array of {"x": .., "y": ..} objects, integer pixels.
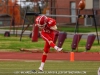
[{"x": 6, "y": 2}]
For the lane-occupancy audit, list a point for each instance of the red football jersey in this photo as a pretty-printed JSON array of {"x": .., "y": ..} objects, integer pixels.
[{"x": 50, "y": 22}]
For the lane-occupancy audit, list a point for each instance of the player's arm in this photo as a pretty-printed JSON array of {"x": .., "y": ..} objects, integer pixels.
[
  {"x": 37, "y": 24},
  {"x": 53, "y": 27},
  {"x": 52, "y": 24}
]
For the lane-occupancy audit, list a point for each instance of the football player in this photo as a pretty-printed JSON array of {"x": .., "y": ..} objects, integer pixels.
[{"x": 48, "y": 28}]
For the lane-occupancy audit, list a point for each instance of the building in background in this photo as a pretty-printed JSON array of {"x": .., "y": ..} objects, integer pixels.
[
  {"x": 62, "y": 7},
  {"x": 70, "y": 7}
]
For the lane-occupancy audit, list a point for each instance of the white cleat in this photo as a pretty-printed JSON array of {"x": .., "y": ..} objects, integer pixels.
[
  {"x": 40, "y": 68},
  {"x": 59, "y": 49}
]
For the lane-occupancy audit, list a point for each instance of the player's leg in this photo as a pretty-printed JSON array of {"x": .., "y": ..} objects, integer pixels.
[
  {"x": 44, "y": 56},
  {"x": 49, "y": 38},
  {"x": 54, "y": 46}
]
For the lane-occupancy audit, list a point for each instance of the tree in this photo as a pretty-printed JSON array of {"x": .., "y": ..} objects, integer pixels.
[{"x": 14, "y": 11}]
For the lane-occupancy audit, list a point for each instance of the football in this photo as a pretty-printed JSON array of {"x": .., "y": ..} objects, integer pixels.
[{"x": 81, "y": 5}]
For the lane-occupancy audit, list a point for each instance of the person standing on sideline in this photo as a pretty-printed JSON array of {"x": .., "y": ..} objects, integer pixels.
[{"x": 48, "y": 27}]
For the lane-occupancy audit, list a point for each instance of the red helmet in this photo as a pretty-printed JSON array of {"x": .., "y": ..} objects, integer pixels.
[{"x": 42, "y": 21}]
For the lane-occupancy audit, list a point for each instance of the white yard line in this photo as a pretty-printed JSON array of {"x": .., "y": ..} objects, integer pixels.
[{"x": 45, "y": 72}]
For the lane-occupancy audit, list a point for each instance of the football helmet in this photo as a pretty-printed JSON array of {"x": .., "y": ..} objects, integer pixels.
[{"x": 42, "y": 21}]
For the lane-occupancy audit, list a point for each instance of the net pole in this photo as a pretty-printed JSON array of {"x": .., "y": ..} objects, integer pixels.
[{"x": 95, "y": 25}]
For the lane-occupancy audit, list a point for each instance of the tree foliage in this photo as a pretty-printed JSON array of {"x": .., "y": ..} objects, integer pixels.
[{"x": 11, "y": 8}]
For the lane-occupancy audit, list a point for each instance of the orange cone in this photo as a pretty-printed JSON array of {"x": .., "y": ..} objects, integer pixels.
[{"x": 72, "y": 56}]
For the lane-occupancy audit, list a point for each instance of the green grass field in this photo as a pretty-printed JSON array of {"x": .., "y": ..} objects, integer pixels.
[
  {"x": 13, "y": 43},
  {"x": 25, "y": 67}
]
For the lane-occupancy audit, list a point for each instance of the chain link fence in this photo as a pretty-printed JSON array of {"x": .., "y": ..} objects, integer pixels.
[{"x": 66, "y": 14}]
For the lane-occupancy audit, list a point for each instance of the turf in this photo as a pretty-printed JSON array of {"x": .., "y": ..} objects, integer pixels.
[
  {"x": 14, "y": 44},
  {"x": 51, "y": 68}
]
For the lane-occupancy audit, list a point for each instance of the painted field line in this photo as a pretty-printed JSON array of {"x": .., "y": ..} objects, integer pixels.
[
  {"x": 31, "y": 60},
  {"x": 45, "y": 72}
]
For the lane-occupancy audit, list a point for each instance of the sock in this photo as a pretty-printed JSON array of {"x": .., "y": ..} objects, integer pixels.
[
  {"x": 43, "y": 60},
  {"x": 55, "y": 47},
  {"x": 42, "y": 64},
  {"x": 52, "y": 44}
]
